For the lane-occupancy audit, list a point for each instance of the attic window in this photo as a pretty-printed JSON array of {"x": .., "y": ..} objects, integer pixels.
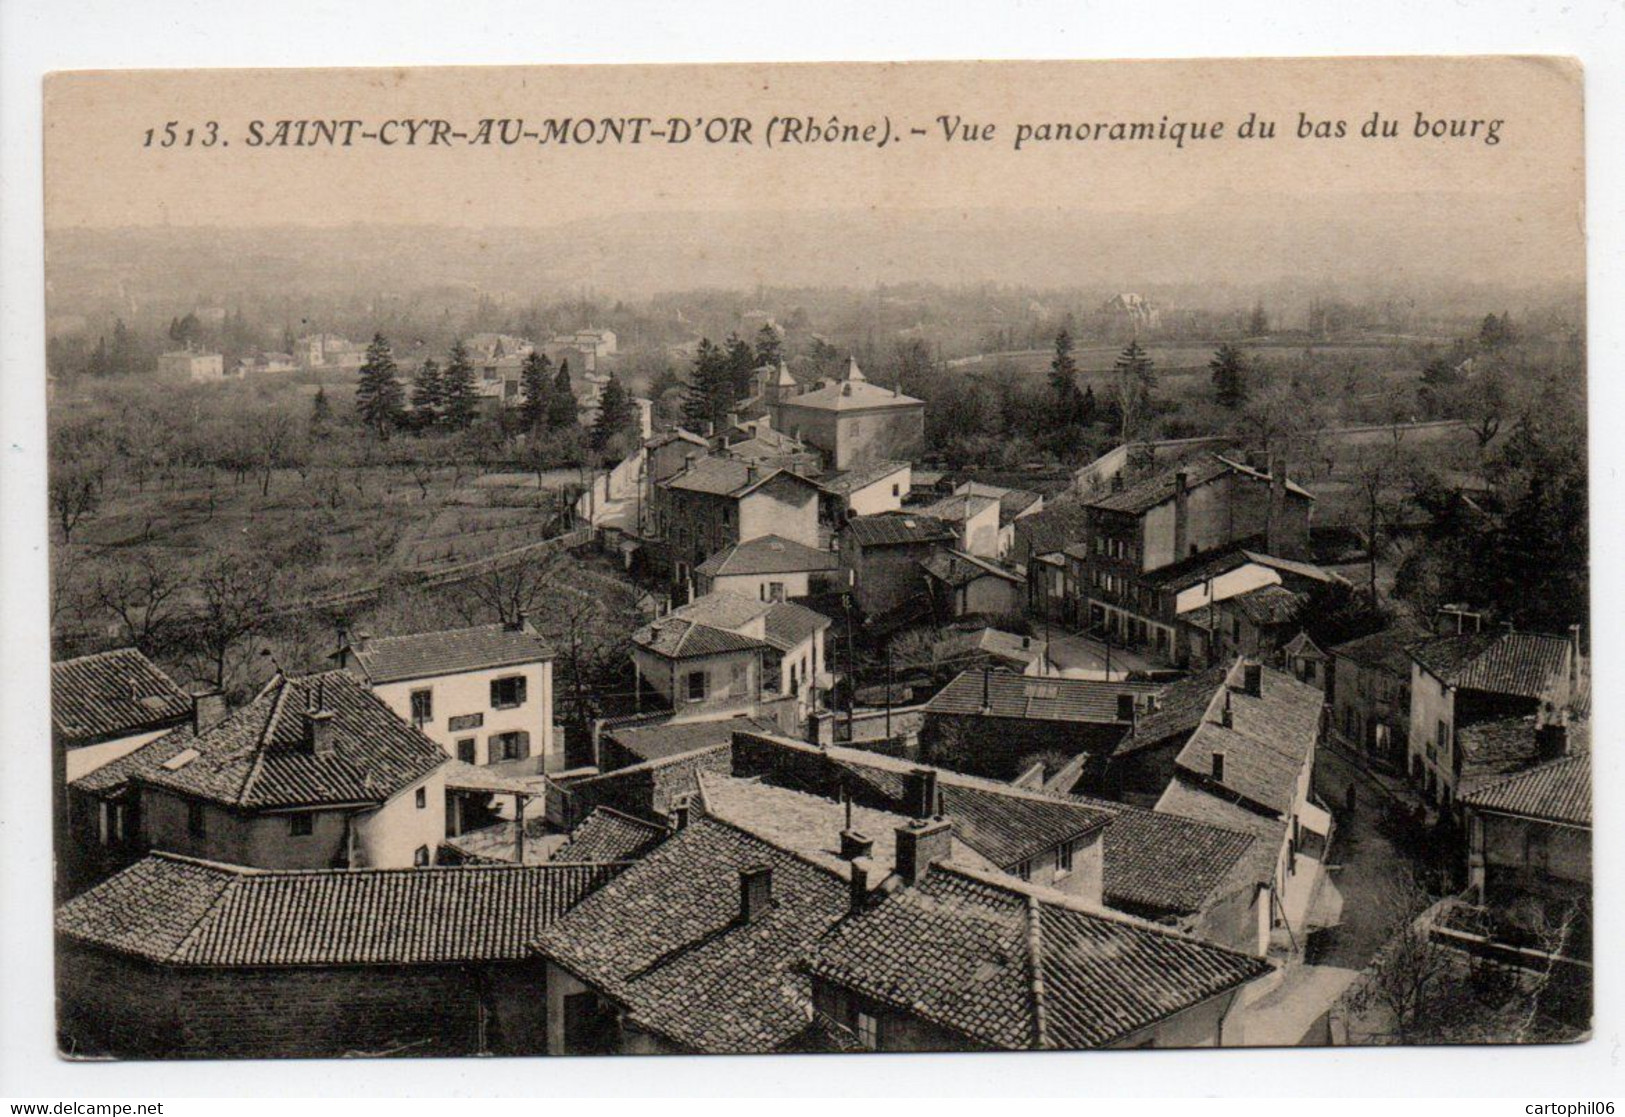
[
  {"x": 908, "y": 523},
  {"x": 180, "y": 760}
]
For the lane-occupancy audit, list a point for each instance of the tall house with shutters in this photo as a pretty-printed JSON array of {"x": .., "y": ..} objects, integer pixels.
[{"x": 485, "y": 694}]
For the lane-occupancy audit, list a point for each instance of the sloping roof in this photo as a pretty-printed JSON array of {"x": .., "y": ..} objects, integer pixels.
[
  {"x": 887, "y": 529},
  {"x": 1266, "y": 605},
  {"x": 608, "y": 835},
  {"x": 1161, "y": 862},
  {"x": 677, "y": 638},
  {"x": 722, "y": 609},
  {"x": 1257, "y": 865},
  {"x": 1559, "y": 791},
  {"x": 1293, "y": 566},
  {"x": 811, "y": 825},
  {"x": 1011, "y": 966},
  {"x": 992, "y": 642},
  {"x": 850, "y": 395},
  {"x": 1268, "y": 742},
  {"x": 1180, "y": 707},
  {"x": 729, "y": 477},
  {"x": 1005, "y": 824},
  {"x": 767, "y": 554},
  {"x": 389, "y": 659},
  {"x": 665, "y": 940},
  {"x": 1518, "y": 663},
  {"x": 959, "y": 508},
  {"x": 260, "y": 756},
  {"x": 113, "y": 694},
  {"x": 1050, "y": 530},
  {"x": 955, "y": 568},
  {"x": 1000, "y": 694},
  {"x": 789, "y": 625},
  {"x": 1495, "y": 748},
  {"x": 1387, "y": 650},
  {"x": 849, "y": 481},
  {"x": 112, "y": 778},
  {"x": 180, "y": 911},
  {"x": 656, "y": 742},
  {"x": 1205, "y": 467},
  {"x": 1301, "y": 647}
]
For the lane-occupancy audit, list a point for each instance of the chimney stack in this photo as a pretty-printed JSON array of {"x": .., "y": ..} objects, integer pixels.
[
  {"x": 1225, "y": 717},
  {"x": 1125, "y": 707},
  {"x": 752, "y": 474},
  {"x": 854, "y": 845},
  {"x": 680, "y": 811},
  {"x": 1252, "y": 680},
  {"x": 1552, "y": 741},
  {"x": 1218, "y": 765},
  {"x": 987, "y": 688},
  {"x": 858, "y": 885},
  {"x": 208, "y": 709},
  {"x": 1273, "y": 541},
  {"x": 521, "y": 622},
  {"x": 319, "y": 732},
  {"x": 1181, "y": 514},
  {"x": 922, "y": 793},
  {"x": 920, "y": 844},
  {"x": 755, "y": 892}
]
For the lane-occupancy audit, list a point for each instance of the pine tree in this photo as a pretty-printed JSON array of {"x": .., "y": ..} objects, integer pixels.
[
  {"x": 614, "y": 415},
  {"x": 1087, "y": 406},
  {"x": 562, "y": 410},
  {"x": 741, "y": 365},
  {"x": 1136, "y": 380},
  {"x": 1229, "y": 373},
  {"x": 1063, "y": 382},
  {"x": 769, "y": 346},
  {"x": 379, "y": 399},
  {"x": 428, "y": 392},
  {"x": 1259, "y": 324},
  {"x": 535, "y": 382},
  {"x": 459, "y": 393},
  {"x": 703, "y": 402}
]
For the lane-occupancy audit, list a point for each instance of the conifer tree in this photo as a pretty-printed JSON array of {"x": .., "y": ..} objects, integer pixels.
[
  {"x": 704, "y": 402},
  {"x": 1063, "y": 382},
  {"x": 562, "y": 410},
  {"x": 535, "y": 383},
  {"x": 380, "y": 400},
  {"x": 1136, "y": 380},
  {"x": 459, "y": 393},
  {"x": 1229, "y": 373},
  {"x": 321, "y": 413},
  {"x": 614, "y": 415},
  {"x": 428, "y": 392},
  {"x": 769, "y": 346}
]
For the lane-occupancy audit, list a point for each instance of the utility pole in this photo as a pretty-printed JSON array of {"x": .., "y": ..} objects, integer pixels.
[
  {"x": 851, "y": 669},
  {"x": 888, "y": 690}
]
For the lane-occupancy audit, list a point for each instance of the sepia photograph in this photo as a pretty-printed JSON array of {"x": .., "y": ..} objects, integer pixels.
[{"x": 770, "y": 559}]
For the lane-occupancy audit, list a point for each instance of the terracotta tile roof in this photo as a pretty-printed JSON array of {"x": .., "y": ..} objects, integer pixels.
[
  {"x": 1559, "y": 791},
  {"x": 991, "y": 642},
  {"x": 1267, "y": 605},
  {"x": 1050, "y": 530},
  {"x": 720, "y": 476},
  {"x": 1388, "y": 650},
  {"x": 1180, "y": 707},
  {"x": 852, "y": 395},
  {"x": 888, "y": 529},
  {"x": 1005, "y": 824},
  {"x": 179, "y": 911},
  {"x": 658, "y": 741},
  {"x": 1516, "y": 663},
  {"x": 849, "y": 481},
  {"x": 767, "y": 554},
  {"x": 260, "y": 757},
  {"x": 649, "y": 789},
  {"x": 723, "y": 609},
  {"x": 960, "y": 507},
  {"x": 1267, "y": 744},
  {"x": 1014, "y": 967},
  {"x": 1301, "y": 647},
  {"x": 1258, "y": 864},
  {"x": 665, "y": 940},
  {"x": 113, "y": 694},
  {"x": 1206, "y": 467},
  {"x": 678, "y": 638},
  {"x": 610, "y": 836},
  {"x": 955, "y": 568},
  {"x": 1001, "y": 694},
  {"x": 789, "y": 625},
  {"x": 811, "y": 825},
  {"x": 1166, "y": 864},
  {"x": 422, "y": 655},
  {"x": 114, "y": 777},
  {"x": 1493, "y": 749}
]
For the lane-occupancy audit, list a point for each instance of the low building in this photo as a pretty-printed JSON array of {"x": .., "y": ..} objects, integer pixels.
[
  {"x": 715, "y": 502},
  {"x": 1142, "y": 764},
  {"x": 868, "y": 490},
  {"x": 973, "y": 649},
  {"x": 639, "y": 742},
  {"x": 1475, "y": 677},
  {"x": 1000, "y": 725},
  {"x": 199, "y": 368},
  {"x": 975, "y": 521},
  {"x": 177, "y": 958},
  {"x": 1529, "y": 836},
  {"x": 770, "y": 568},
  {"x": 1305, "y": 661},
  {"x": 960, "y": 959},
  {"x": 697, "y": 948},
  {"x": 484, "y": 693},
  {"x": 1371, "y": 695},
  {"x": 961, "y": 584},
  {"x": 1257, "y": 624},
  {"x": 883, "y": 554},
  {"x": 1248, "y": 766},
  {"x": 316, "y": 772}
]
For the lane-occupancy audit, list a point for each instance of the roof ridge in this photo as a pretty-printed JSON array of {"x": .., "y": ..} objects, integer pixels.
[
  {"x": 261, "y": 743},
  {"x": 949, "y": 776},
  {"x": 1035, "y": 952},
  {"x": 1524, "y": 773},
  {"x": 179, "y": 951},
  {"x": 796, "y": 855}
]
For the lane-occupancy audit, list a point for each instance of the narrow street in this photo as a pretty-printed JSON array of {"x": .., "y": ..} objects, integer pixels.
[{"x": 1349, "y": 920}]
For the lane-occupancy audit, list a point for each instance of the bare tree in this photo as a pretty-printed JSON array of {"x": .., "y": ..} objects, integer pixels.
[
  {"x": 145, "y": 596},
  {"x": 507, "y": 589},
  {"x": 75, "y": 495},
  {"x": 236, "y": 596},
  {"x": 1408, "y": 973},
  {"x": 277, "y": 434}
]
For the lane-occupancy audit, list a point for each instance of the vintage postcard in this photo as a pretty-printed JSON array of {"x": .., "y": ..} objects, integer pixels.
[{"x": 818, "y": 558}]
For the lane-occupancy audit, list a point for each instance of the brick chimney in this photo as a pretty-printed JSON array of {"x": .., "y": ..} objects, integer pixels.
[
  {"x": 858, "y": 885},
  {"x": 1252, "y": 680},
  {"x": 755, "y": 892},
  {"x": 208, "y": 708},
  {"x": 920, "y": 844},
  {"x": 1552, "y": 741},
  {"x": 520, "y": 622},
  {"x": 1226, "y": 719},
  {"x": 855, "y": 845},
  {"x": 921, "y": 791},
  {"x": 319, "y": 733}
]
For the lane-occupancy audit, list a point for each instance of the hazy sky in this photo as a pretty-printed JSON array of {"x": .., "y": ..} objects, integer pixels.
[{"x": 99, "y": 174}]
